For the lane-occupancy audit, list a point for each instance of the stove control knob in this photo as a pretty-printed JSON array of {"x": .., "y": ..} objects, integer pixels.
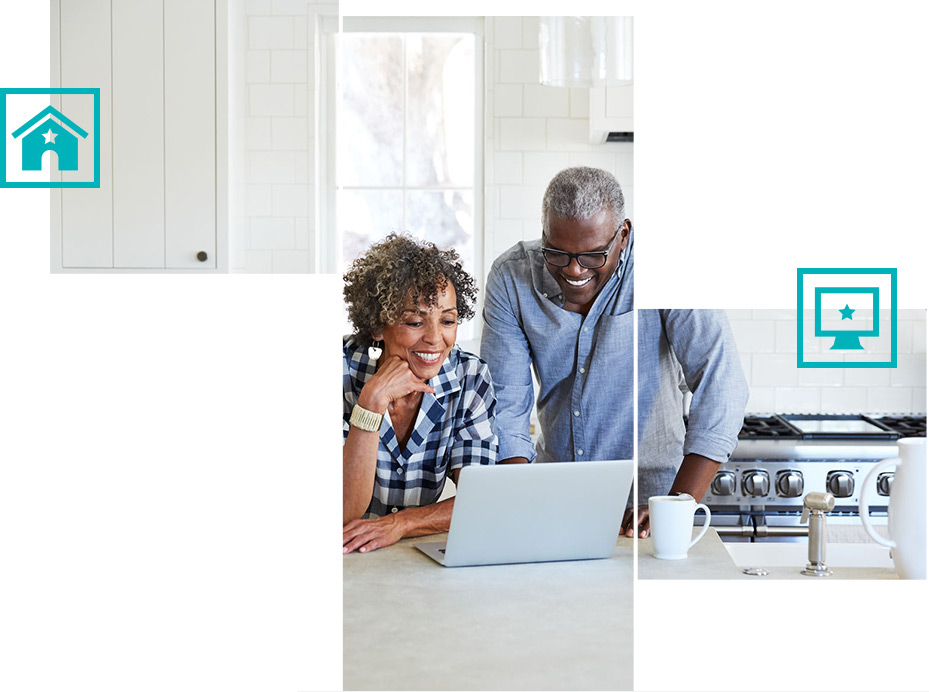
[
  {"x": 840, "y": 483},
  {"x": 723, "y": 483},
  {"x": 884, "y": 482},
  {"x": 755, "y": 483},
  {"x": 789, "y": 483}
]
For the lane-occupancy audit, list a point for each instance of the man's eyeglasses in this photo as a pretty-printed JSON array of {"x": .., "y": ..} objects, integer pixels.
[{"x": 588, "y": 260}]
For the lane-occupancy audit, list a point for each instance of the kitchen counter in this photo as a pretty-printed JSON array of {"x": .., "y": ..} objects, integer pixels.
[
  {"x": 411, "y": 624},
  {"x": 709, "y": 559}
]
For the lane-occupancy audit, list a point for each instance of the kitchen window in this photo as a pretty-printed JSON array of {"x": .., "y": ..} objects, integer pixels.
[{"x": 409, "y": 133}]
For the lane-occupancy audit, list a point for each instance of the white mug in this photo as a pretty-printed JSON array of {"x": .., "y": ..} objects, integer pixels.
[{"x": 671, "y": 520}]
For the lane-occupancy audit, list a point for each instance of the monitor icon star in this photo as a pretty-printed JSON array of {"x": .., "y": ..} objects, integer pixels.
[{"x": 847, "y": 312}]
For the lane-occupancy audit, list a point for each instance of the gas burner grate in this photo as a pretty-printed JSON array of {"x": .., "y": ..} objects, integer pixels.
[
  {"x": 767, "y": 427},
  {"x": 905, "y": 426}
]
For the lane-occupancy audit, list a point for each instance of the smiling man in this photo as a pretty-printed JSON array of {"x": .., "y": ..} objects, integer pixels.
[{"x": 562, "y": 306}]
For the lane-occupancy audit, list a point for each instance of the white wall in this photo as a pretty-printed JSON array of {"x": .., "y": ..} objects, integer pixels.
[
  {"x": 531, "y": 133},
  {"x": 278, "y": 122},
  {"x": 767, "y": 341}
]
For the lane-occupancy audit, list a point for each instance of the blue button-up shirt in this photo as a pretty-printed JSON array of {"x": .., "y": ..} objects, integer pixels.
[
  {"x": 683, "y": 350},
  {"x": 583, "y": 364}
]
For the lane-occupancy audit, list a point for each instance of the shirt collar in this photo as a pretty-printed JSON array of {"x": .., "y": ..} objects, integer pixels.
[{"x": 362, "y": 368}]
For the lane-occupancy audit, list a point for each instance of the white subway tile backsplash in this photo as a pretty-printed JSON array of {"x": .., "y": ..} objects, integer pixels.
[
  {"x": 271, "y": 167},
  {"x": 546, "y": 101},
  {"x": 253, "y": 7},
  {"x": 270, "y": 99},
  {"x": 270, "y": 32},
  {"x": 291, "y": 262},
  {"x": 910, "y": 371},
  {"x": 595, "y": 159},
  {"x": 519, "y": 66},
  {"x": 883, "y": 400},
  {"x": 522, "y": 134},
  {"x": 300, "y": 33},
  {"x": 541, "y": 167},
  {"x": 519, "y": 201},
  {"x": 272, "y": 234},
  {"x": 566, "y": 134},
  {"x": 739, "y": 314},
  {"x": 301, "y": 167},
  {"x": 919, "y": 337},
  {"x": 257, "y": 65},
  {"x": 508, "y": 100},
  {"x": 754, "y": 336},
  {"x": 258, "y": 200},
  {"x": 289, "y": 134},
  {"x": 773, "y": 314},
  {"x": 288, "y": 66},
  {"x": 625, "y": 170},
  {"x": 284, "y": 7},
  {"x": 866, "y": 377},
  {"x": 785, "y": 336},
  {"x": 797, "y": 400},
  {"x": 259, "y": 262},
  {"x": 301, "y": 96},
  {"x": 301, "y": 233},
  {"x": 761, "y": 400},
  {"x": 774, "y": 370},
  {"x": 580, "y": 102},
  {"x": 505, "y": 234},
  {"x": 919, "y": 400},
  {"x": 844, "y": 400},
  {"x": 508, "y": 32},
  {"x": 289, "y": 200},
  {"x": 508, "y": 168},
  {"x": 820, "y": 377},
  {"x": 531, "y": 32},
  {"x": 257, "y": 133}
]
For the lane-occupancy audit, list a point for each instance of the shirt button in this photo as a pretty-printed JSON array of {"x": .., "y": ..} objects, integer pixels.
[
  {"x": 582, "y": 371},
  {"x": 580, "y": 452},
  {"x": 577, "y": 413},
  {"x": 586, "y": 329},
  {"x": 393, "y": 509},
  {"x": 545, "y": 295},
  {"x": 400, "y": 470}
]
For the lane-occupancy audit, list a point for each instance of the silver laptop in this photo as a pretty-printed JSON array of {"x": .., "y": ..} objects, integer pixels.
[{"x": 535, "y": 513}]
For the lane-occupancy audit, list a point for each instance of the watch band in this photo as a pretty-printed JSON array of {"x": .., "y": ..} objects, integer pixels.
[{"x": 366, "y": 420}]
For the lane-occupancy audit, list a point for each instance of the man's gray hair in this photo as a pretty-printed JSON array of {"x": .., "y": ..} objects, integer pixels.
[{"x": 582, "y": 192}]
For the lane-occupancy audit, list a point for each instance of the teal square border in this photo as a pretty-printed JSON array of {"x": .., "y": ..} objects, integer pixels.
[
  {"x": 82, "y": 183},
  {"x": 892, "y": 363}
]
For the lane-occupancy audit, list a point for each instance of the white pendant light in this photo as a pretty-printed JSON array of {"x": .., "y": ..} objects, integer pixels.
[{"x": 585, "y": 51}]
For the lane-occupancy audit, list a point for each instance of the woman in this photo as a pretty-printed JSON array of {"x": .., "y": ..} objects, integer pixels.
[{"x": 416, "y": 408}]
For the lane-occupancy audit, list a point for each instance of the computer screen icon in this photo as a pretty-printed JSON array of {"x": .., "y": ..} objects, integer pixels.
[
  {"x": 847, "y": 317},
  {"x": 847, "y": 314}
]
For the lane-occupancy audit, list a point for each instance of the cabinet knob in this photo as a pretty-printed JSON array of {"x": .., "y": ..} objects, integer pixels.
[{"x": 202, "y": 256}]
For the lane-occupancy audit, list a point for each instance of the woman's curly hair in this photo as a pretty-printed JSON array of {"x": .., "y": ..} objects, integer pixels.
[{"x": 382, "y": 282}]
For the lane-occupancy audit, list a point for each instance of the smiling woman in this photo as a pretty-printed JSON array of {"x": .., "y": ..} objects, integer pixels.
[{"x": 416, "y": 409}]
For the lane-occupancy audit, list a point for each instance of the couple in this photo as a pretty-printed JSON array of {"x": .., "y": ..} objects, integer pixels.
[{"x": 416, "y": 409}]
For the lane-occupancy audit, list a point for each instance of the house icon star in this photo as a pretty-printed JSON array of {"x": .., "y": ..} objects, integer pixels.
[{"x": 50, "y": 135}]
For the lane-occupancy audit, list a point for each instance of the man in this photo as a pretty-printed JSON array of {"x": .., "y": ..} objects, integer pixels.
[{"x": 563, "y": 307}]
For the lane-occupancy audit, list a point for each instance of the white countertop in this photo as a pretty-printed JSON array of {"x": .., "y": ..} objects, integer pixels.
[
  {"x": 709, "y": 559},
  {"x": 411, "y": 624}
]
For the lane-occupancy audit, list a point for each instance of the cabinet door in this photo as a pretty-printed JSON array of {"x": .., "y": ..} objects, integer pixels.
[{"x": 155, "y": 65}]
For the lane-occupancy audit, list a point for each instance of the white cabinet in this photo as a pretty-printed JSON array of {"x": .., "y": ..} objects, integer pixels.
[
  {"x": 160, "y": 68},
  {"x": 611, "y": 110}
]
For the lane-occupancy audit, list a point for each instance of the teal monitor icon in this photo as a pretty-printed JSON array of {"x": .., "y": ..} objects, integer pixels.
[{"x": 850, "y": 313}]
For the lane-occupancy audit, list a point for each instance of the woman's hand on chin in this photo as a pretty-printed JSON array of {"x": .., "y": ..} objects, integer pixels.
[
  {"x": 365, "y": 535},
  {"x": 393, "y": 380}
]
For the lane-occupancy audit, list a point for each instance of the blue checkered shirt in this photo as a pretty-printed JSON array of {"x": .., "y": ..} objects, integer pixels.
[{"x": 453, "y": 429}]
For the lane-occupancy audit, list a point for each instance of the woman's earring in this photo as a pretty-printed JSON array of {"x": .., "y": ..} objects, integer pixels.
[{"x": 374, "y": 351}]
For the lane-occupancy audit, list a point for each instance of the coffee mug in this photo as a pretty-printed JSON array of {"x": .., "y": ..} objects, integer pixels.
[{"x": 671, "y": 519}]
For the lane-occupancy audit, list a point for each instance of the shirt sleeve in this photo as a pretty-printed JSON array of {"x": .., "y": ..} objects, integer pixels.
[
  {"x": 703, "y": 344},
  {"x": 505, "y": 349},
  {"x": 348, "y": 398},
  {"x": 475, "y": 441}
]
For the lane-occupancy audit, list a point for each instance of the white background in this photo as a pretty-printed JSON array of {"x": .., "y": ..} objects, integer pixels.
[{"x": 168, "y": 471}]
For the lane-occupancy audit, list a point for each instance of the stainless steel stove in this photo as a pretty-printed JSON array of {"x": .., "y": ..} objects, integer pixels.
[{"x": 758, "y": 494}]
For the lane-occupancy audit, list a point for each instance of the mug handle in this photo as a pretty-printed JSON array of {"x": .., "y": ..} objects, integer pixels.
[
  {"x": 706, "y": 524},
  {"x": 863, "y": 501}
]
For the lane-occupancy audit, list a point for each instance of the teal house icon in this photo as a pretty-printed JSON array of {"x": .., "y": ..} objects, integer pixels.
[{"x": 50, "y": 135}]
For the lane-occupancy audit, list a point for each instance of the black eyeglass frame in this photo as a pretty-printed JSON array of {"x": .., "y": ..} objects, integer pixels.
[{"x": 547, "y": 252}]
